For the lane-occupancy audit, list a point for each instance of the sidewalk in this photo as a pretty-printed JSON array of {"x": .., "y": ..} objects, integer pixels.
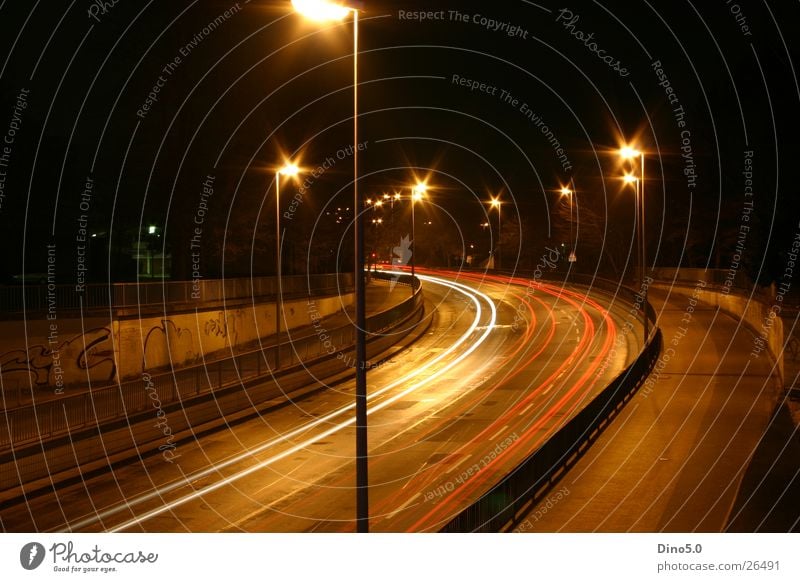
[{"x": 688, "y": 449}]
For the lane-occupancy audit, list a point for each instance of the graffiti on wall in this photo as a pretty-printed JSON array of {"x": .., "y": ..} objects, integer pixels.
[
  {"x": 167, "y": 344},
  {"x": 87, "y": 357}
]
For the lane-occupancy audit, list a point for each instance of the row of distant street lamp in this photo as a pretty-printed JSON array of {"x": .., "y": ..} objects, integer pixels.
[{"x": 337, "y": 10}]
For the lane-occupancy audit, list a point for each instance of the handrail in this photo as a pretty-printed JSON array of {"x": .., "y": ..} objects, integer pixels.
[
  {"x": 531, "y": 479},
  {"x": 30, "y": 299}
]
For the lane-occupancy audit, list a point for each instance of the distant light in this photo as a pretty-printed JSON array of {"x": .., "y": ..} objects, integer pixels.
[
  {"x": 94, "y": 235},
  {"x": 628, "y": 152},
  {"x": 151, "y": 230},
  {"x": 630, "y": 178},
  {"x": 321, "y": 10},
  {"x": 289, "y": 170},
  {"x": 495, "y": 202},
  {"x": 566, "y": 192}
]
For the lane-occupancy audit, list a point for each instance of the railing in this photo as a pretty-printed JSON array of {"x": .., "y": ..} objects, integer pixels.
[
  {"x": 38, "y": 421},
  {"x": 527, "y": 484},
  {"x": 30, "y": 299},
  {"x": 506, "y": 504}
]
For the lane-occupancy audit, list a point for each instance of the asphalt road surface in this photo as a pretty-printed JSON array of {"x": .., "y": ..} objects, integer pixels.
[
  {"x": 674, "y": 459},
  {"x": 502, "y": 366}
]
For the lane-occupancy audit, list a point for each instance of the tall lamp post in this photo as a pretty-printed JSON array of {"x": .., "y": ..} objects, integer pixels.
[
  {"x": 292, "y": 171},
  {"x": 417, "y": 194},
  {"x": 495, "y": 203},
  {"x": 571, "y": 193},
  {"x": 322, "y": 11},
  {"x": 639, "y": 189}
]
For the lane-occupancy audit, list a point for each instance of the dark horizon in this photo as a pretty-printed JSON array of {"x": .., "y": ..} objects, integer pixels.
[{"x": 147, "y": 103}]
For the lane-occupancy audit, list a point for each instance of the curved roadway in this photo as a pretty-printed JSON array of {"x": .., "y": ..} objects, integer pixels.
[{"x": 504, "y": 363}]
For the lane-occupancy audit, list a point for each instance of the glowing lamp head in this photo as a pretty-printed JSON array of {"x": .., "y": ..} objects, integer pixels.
[
  {"x": 628, "y": 152},
  {"x": 289, "y": 170},
  {"x": 321, "y": 10},
  {"x": 495, "y": 203},
  {"x": 630, "y": 179},
  {"x": 566, "y": 192}
]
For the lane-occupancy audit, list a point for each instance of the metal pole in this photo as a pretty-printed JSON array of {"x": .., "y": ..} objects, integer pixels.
[
  {"x": 279, "y": 296},
  {"x": 644, "y": 248},
  {"x": 413, "y": 240},
  {"x": 499, "y": 233},
  {"x": 362, "y": 480},
  {"x": 571, "y": 236}
]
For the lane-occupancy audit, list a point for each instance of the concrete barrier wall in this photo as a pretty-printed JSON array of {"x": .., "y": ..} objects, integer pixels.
[
  {"x": 761, "y": 318},
  {"x": 70, "y": 351},
  {"x": 173, "y": 409},
  {"x": 151, "y": 343}
]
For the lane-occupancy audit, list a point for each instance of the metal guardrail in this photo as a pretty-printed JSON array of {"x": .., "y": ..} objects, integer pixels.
[
  {"x": 506, "y": 504},
  {"x": 39, "y": 421},
  {"x": 30, "y": 299}
]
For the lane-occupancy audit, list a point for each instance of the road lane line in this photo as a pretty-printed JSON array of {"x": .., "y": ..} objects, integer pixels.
[{"x": 464, "y": 289}]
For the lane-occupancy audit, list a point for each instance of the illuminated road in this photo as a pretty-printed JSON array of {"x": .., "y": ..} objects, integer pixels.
[{"x": 501, "y": 367}]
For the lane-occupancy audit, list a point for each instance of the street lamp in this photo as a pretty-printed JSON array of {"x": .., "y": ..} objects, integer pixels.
[
  {"x": 325, "y": 11},
  {"x": 290, "y": 170},
  {"x": 495, "y": 203},
  {"x": 639, "y": 189},
  {"x": 417, "y": 194},
  {"x": 571, "y": 193}
]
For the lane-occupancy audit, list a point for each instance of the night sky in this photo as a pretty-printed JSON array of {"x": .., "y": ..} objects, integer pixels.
[{"x": 116, "y": 116}]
